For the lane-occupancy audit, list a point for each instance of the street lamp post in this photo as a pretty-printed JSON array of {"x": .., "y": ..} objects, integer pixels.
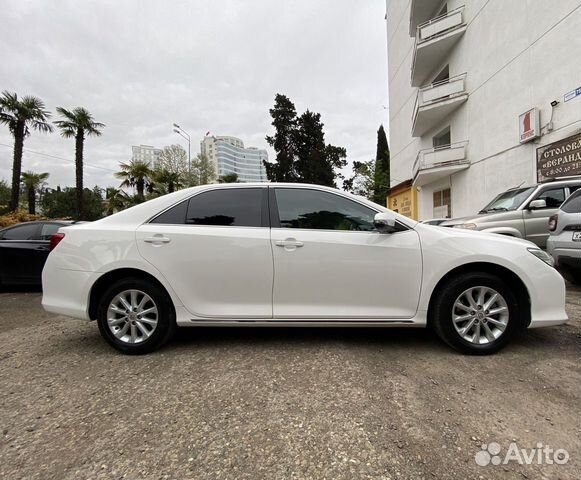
[{"x": 182, "y": 133}]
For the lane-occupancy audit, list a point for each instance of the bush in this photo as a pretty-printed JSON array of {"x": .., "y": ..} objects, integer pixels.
[{"x": 18, "y": 217}]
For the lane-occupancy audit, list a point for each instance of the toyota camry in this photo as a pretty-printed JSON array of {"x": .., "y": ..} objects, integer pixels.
[{"x": 294, "y": 255}]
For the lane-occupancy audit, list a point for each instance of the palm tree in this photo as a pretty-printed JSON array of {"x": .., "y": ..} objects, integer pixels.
[
  {"x": 166, "y": 181},
  {"x": 21, "y": 116},
  {"x": 117, "y": 200},
  {"x": 228, "y": 178},
  {"x": 78, "y": 123},
  {"x": 136, "y": 174},
  {"x": 32, "y": 181}
]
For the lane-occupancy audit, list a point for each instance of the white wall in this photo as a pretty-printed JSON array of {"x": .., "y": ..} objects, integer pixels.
[{"x": 516, "y": 57}]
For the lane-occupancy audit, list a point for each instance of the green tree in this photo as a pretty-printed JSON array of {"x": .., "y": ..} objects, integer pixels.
[
  {"x": 363, "y": 180},
  {"x": 228, "y": 178},
  {"x": 284, "y": 121},
  {"x": 316, "y": 162},
  {"x": 116, "y": 200},
  {"x": 166, "y": 181},
  {"x": 57, "y": 203},
  {"x": 136, "y": 174},
  {"x": 33, "y": 182},
  {"x": 301, "y": 152},
  {"x": 77, "y": 123},
  {"x": 382, "y": 169},
  {"x": 203, "y": 170},
  {"x": 21, "y": 116},
  {"x": 4, "y": 196}
]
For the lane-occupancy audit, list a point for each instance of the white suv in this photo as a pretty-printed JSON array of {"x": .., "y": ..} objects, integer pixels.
[{"x": 565, "y": 240}]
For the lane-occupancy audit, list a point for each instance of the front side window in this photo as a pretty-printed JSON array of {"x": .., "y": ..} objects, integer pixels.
[
  {"x": 553, "y": 197},
  {"x": 235, "y": 207},
  {"x": 312, "y": 209},
  {"x": 21, "y": 232}
]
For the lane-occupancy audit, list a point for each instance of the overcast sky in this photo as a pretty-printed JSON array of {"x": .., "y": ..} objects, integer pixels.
[{"x": 208, "y": 65}]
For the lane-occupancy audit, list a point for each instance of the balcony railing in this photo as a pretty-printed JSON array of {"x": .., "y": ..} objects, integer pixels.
[
  {"x": 436, "y": 101},
  {"x": 435, "y": 163},
  {"x": 434, "y": 40},
  {"x": 440, "y": 25}
]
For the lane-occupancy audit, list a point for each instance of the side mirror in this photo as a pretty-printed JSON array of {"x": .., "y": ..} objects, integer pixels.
[
  {"x": 537, "y": 204},
  {"x": 384, "y": 223}
]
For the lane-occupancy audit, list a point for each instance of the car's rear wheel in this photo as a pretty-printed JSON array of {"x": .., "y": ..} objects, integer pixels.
[
  {"x": 135, "y": 316},
  {"x": 476, "y": 313}
]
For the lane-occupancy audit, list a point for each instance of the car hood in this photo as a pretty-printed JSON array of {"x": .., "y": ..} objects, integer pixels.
[
  {"x": 469, "y": 235},
  {"x": 483, "y": 218}
]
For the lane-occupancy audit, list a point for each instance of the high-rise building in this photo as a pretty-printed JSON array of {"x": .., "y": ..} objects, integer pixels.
[
  {"x": 229, "y": 155},
  {"x": 145, "y": 153},
  {"x": 483, "y": 96}
]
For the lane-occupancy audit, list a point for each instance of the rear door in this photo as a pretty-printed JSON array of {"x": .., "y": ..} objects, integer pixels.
[
  {"x": 330, "y": 262},
  {"x": 214, "y": 250}
]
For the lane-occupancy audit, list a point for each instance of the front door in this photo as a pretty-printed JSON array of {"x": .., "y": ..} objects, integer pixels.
[
  {"x": 214, "y": 250},
  {"x": 330, "y": 262},
  {"x": 536, "y": 221}
]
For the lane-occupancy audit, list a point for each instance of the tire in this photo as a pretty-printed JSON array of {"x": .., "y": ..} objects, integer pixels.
[
  {"x": 483, "y": 336},
  {"x": 149, "y": 325}
]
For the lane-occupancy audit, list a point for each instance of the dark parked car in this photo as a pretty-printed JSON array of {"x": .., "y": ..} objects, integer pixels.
[{"x": 24, "y": 249}]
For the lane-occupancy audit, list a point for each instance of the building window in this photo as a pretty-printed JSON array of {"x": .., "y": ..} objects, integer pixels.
[
  {"x": 442, "y": 139},
  {"x": 442, "y": 76},
  {"x": 442, "y": 204}
]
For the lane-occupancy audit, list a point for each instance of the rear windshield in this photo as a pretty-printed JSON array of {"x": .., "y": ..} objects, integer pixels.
[{"x": 510, "y": 200}]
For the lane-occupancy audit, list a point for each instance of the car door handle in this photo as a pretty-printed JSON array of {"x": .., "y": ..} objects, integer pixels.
[
  {"x": 289, "y": 242},
  {"x": 157, "y": 239}
]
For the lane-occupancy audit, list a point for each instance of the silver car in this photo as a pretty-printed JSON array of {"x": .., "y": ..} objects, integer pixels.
[
  {"x": 564, "y": 243},
  {"x": 521, "y": 212}
]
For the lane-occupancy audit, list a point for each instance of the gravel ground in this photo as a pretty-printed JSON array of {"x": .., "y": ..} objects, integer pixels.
[{"x": 279, "y": 403}]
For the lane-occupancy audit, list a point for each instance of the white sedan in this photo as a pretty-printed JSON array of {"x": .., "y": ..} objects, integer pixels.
[{"x": 294, "y": 255}]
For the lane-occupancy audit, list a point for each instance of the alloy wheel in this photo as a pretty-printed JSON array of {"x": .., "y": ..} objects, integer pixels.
[
  {"x": 132, "y": 316},
  {"x": 480, "y": 315}
]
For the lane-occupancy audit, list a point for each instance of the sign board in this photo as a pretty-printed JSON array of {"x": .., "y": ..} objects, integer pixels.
[
  {"x": 559, "y": 159},
  {"x": 529, "y": 125},
  {"x": 572, "y": 94}
]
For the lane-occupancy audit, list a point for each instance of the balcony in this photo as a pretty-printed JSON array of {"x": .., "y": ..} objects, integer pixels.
[
  {"x": 436, "y": 101},
  {"x": 420, "y": 11},
  {"x": 434, "y": 40},
  {"x": 436, "y": 163}
]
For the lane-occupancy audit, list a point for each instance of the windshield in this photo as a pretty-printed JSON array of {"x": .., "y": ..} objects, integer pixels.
[{"x": 510, "y": 200}]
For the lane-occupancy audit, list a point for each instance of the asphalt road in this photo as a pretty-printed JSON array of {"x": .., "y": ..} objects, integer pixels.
[{"x": 279, "y": 403}]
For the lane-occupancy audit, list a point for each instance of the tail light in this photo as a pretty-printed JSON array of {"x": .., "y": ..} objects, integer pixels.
[
  {"x": 553, "y": 220},
  {"x": 55, "y": 240}
]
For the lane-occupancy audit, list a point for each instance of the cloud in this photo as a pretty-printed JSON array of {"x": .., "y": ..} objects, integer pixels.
[{"x": 140, "y": 66}]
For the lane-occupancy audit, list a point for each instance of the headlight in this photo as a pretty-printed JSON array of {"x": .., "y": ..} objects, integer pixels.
[
  {"x": 542, "y": 255},
  {"x": 467, "y": 226}
]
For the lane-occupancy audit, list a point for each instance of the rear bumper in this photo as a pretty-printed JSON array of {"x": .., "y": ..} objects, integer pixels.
[{"x": 66, "y": 292}]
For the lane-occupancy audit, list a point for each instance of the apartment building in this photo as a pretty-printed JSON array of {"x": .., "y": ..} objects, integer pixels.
[
  {"x": 229, "y": 155},
  {"x": 484, "y": 95}
]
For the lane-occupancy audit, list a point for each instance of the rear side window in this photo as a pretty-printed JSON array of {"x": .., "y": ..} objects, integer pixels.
[
  {"x": 234, "y": 207},
  {"x": 176, "y": 215},
  {"x": 21, "y": 232},
  {"x": 313, "y": 209},
  {"x": 573, "y": 203}
]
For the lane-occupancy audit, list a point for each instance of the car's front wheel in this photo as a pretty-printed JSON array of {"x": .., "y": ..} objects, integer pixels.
[
  {"x": 135, "y": 316},
  {"x": 476, "y": 313}
]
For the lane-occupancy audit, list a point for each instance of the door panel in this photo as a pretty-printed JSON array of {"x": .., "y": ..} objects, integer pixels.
[
  {"x": 537, "y": 221},
  {"x": 346, "y": 274},
  {"x": 215, "y": 271}
]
